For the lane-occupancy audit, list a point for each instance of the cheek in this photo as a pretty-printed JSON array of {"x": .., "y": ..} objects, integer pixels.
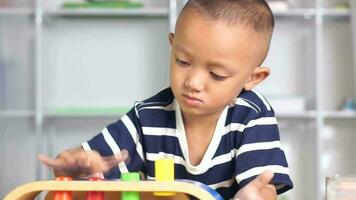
[
  {"x": 227, "y": 91},
  {"x": 178, "y": 72},
  {"x": 175, "y": 76}
]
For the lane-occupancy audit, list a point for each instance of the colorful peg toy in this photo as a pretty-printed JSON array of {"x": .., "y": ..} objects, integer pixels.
[
  {"x": 63, "y": 195},
  {"x": 130, "y": 187},
  {"x": 164, "y": 171},
  {"x": 133, "y": 176},
  {"x": 95, "y": 195}
]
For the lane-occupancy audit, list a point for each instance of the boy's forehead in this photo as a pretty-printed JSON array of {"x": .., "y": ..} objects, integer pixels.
[
  {"x": 194, "y": 24},
  {"x": 191, "y": 17},
  {"x": 192, "y": 13},
  {"x": 201, "y": 33},
  {"x": 251, "y": 13}
]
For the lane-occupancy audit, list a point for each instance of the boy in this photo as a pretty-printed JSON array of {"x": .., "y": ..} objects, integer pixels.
[{"x": 216, "y": 128}]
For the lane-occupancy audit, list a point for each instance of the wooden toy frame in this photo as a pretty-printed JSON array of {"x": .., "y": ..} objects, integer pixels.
[{"x": 30, "y": 190}]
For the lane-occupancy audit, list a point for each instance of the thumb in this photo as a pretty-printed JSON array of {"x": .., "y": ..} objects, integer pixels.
[{"x": 263, "y": 179}]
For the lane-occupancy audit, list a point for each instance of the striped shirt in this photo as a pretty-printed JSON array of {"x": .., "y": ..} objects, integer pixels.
[{"x": 245, "y": 143}]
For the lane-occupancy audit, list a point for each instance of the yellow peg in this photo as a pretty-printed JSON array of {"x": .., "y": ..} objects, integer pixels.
[{"x": 164, "y": 171}]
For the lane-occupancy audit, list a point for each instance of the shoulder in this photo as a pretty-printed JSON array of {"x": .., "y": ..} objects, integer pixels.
[
  {"x": 158, "y": 110},
  {"x": 255, "y": 100},
  {"x": 163, "y": 98},
  {"x": 249, "y": 105}
]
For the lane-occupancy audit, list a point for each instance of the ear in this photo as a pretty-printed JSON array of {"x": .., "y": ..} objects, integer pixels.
[
  {"x": 257, "y": 76},
  {"x": 171, "y": 37}
]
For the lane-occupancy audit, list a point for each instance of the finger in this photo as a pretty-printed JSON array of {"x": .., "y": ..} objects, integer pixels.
[
  {"x": 122, "y": 156},
  {"x": 263, "y": 179},
  {"x": 268, "y": 192},
  {"x": 50, "y": 162},
  {"x": 97, "y": 175},
  {"x": 95, "y": 164},
  {"x": 271, "y": 186},
  {"x": 111, "y": 161}
]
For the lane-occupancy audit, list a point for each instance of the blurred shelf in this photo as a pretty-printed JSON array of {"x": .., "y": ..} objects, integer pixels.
[
  {"x": 343, "y": 14},
  {"x": 119, "y": 111},
  {"x": 108, "y": 12},
  {"x": 16, "y": 11},
  {"x": 17, "y": 113},
  {"x": 293, "y": 115},
  {"x": 313, "y": 114},
  {"x": 309, "y": 13},
  {"x": 87, "y": 112},
  {"x": 295, "y": 13},
  {"x": 339, "y": 114}
]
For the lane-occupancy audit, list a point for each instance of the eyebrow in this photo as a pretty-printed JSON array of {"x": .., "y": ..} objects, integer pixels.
[{"x": 180, "y": 48}]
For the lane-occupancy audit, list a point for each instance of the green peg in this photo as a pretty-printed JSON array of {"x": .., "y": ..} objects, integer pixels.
[{"x": 132, "y": 176}]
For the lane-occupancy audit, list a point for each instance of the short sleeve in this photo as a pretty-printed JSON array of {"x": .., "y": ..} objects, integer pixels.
[
  {"x": 260, "y": 150},
  {"x": 126, "y": 133}
]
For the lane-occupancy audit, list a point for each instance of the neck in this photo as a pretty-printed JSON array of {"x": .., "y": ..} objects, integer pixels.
[{"x": 193, "y": 122}]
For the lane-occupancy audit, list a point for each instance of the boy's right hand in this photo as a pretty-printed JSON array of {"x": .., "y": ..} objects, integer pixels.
[{"x": 78, "y": 163}]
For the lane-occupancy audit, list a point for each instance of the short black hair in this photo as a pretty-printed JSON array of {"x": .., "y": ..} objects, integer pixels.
[{"x": 251, "y": 13}]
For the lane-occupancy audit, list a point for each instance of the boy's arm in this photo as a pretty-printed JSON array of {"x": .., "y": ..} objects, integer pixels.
[
  {"x": 258, "y": 189},
  {"x": 79, "y": 163},
  {"x": 260, "y": 149}
]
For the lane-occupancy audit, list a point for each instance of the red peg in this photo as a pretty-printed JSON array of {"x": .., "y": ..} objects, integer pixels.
[
  {"x": 63, "y": 195},
  {"x": 95, "y": 195}
]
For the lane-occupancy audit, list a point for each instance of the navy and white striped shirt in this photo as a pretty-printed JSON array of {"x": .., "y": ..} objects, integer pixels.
[{"x": 245, "y": 143}]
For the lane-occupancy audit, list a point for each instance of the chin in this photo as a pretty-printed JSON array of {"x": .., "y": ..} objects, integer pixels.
[{"x": 192, "y": 110}]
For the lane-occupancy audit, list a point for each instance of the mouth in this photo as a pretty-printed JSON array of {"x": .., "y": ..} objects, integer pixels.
[{"x": 192, "y": 101}]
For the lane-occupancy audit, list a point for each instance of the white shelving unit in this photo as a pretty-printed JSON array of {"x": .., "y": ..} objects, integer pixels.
[
  {"x": 139, "y": 12},
  {"x": 15, "y": 11},
  {"x": 17, "y": 129},
  {"x": 69, "y": 50}
]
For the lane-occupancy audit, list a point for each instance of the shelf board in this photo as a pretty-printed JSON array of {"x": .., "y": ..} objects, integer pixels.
[
  {"x": 336, "y": 14},
  {"x": 299, "y": 114},
  {"x": 87, "y": 112},
  {"x": 291, "y": 13},
  {"x": 17, "y": 113},
  {"x": 109, "y": 12},
  {"x": 305, "y": 13},
  {"x": 340, "y": 114},
  {"x": 313, "y": 114},
  {"x": 16, "y": 11},
  {"x": 328, "y": 13},
  {"x": 118, "y": 111}
]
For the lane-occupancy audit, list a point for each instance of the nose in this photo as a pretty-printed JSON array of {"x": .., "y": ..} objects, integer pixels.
[{"x": 195, "y": 82}]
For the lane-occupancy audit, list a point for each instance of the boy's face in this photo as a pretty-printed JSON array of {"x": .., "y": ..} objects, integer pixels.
[{"x": 211, "y": 63}]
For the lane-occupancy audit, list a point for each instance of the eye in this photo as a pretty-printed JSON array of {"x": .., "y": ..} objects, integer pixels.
[
  {"x": 217, "y": 77},
  {"x": 182, "y": 62}
]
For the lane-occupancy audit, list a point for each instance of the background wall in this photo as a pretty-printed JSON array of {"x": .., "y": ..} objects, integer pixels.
[{"x": 66, "y": 75}]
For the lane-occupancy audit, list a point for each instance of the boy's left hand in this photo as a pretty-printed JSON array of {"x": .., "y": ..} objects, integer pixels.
[{"x": 258, "y": 189}]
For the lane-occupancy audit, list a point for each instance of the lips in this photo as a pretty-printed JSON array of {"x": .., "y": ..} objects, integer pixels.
[{"x": 192, "y": 101}]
